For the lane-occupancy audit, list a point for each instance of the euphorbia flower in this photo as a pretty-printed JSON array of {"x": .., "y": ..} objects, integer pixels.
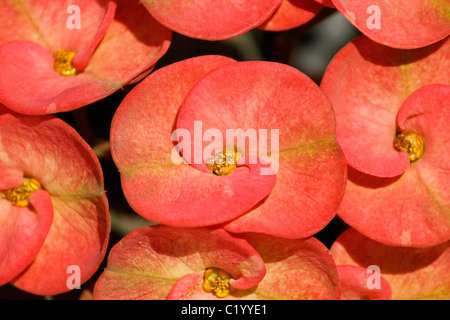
[
  {"x": 291, "y": 188},
  {"x": 398, "y": 24},
  {"x": 161, "y": 262},
  {"x": 226, "y": 19},
  {"x": 53, "y": 208},
  {"x": 391, "y": 110},
  {"x": 50, "y": 64},
  {"x": 412, "y": 273}
]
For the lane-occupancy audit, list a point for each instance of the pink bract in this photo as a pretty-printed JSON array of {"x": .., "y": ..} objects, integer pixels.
[
  {"x": 402, "y": 24},
  {"x": 291, "y": 14},
  {"x": 327, "y": 3},
  {"x": 219, "y": 20},
  {"x": 163, "y": 262},
  {"x": 357, "y": 284},
  {"x": 117, "y": 41},
  {"x": 376, "y": 92},
  {"x": 66, "y": 223},
  {"x": 301, "y": 188},
  {"x": 412, "y": 273}
]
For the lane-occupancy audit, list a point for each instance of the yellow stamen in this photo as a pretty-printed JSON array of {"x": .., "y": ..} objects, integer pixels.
[
  {"x": 20, "y": 196},
  {"x": 63, "y": 62},
  {"x": 410, "y": 142},
  {"x": 217, "y": 281},
  {"x": 224, "y": 163}
]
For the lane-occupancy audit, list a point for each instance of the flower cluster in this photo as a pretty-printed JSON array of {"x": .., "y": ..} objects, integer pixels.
[{"x": 237, "y": 167}]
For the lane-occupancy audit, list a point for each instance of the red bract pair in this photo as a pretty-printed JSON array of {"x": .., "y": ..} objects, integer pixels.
[
  {"x": 392, "y": 108},
  {"x": 401, "y": 273},
  {"x": 399, "y": 24},
  {"x": 53, "y": 208},
  {"x": 174, "y": 134},
  {"x": 163, "y": 262},
  {"x": 61, "y": 55},
  {"x": 226, "y": 19}
]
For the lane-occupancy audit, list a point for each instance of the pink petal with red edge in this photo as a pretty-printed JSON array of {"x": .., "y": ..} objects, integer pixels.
[
  {"x": 327, "y": 3},
  {"x": 367, "y": 83},
  {"x": 153, "y": 262},
  {"x": 156, "y": 187},
  {"x": 412, "y": 273},
  {"x": 399, "y": 24},
  {"x": 218, "y": 21},
  {"x": 49, "y": 150},
  {"x": 309, "y": 165},
  {"x": 23, "y": 231},
  {"x": 300, "y": 269},
  {"x": 291, "y": 14},
  {"x": 42, "y": 90},
  {"x": 356, "y": 284}
]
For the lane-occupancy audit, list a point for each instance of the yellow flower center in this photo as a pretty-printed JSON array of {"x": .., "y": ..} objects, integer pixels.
[
  {"x": 224, "y": 162},
  {"x": 410, "y": 142},
  {"x": 217, "y": 281},
  {"x": 20, "y": 196},
  {"x": 63, "y": 62}
]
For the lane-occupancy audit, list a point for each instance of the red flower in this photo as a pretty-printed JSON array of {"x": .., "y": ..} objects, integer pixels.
[
  {"x": 409, "y": 273},
  {"x": 391, "y": 110},
  {"x": 53, "y": 208},
  {"x": 163, "y": 262},
  {"x": 291, "y": 188},
  {"x": 226, "y": 19},
  {"x": 398, "y": 24},
  {"x": 50, "y": 65}
]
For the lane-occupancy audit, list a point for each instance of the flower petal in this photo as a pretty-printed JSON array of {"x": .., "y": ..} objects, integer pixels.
[
  {"x": 149, "y": 261},
  {"x": 354, "y": 284},
  {"x": 412, "y": 273},
  {"x": 367, "y": 84},
  {"x": 411, "y": 210},
  {"x": 42, "y": 90},
  {"x": 23, "y": 231},
  {"x": 211, "y": 21},
  {"x": 426, "y": 22},
  {"x": 291, "y": 14},
  {"x": 327, "y": 3},
  {"x": 296, "y": 269},
  {"x": 133, "y": 44},
  {"x": 81, "y": 60},
  {"x": 49, "y": 23}
]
